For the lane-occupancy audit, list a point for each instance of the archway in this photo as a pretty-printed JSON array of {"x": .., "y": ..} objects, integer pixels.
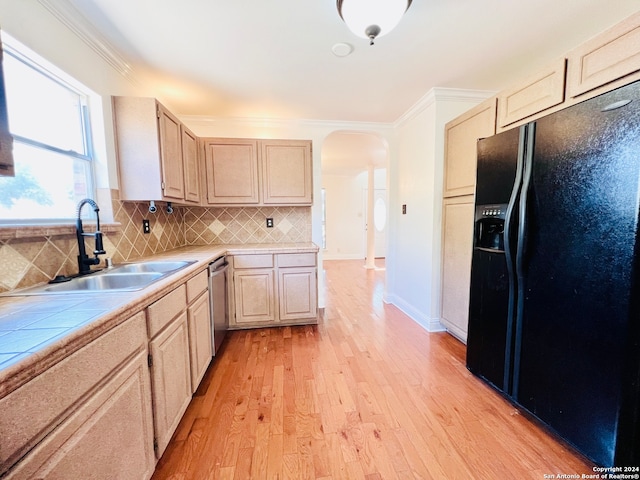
[{"x": 354, "y": 177}]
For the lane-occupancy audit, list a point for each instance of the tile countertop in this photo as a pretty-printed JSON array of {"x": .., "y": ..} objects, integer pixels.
[{"x": 38, "y": 331}]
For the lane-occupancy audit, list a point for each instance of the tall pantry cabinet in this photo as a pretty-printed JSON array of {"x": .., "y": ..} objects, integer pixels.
[{"x": 461, "y": 136}]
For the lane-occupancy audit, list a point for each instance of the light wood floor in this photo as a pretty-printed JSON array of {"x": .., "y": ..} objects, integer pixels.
[{"x": 366, "y": 394}]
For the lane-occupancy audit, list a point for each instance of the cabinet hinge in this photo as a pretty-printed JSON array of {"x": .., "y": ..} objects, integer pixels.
[
  {"x": 150, "y": 360},
  {"x": 162, "y": 185},
  {"x": 155, "y": 444},
  {"x": 158, "y": 112}
]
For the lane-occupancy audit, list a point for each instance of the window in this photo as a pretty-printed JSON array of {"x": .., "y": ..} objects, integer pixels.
[
  {"x": 53, "y": 154},
  {"x": 323, "y": 200}
]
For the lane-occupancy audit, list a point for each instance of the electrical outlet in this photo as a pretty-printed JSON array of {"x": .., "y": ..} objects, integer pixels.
[
  {"x": 404, "y": 209},
  {"x": 145, "y": 226},
  {"x": 269, "y": 222}
]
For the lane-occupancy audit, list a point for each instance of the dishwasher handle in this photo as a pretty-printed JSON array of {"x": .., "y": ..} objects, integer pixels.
[{"x": 219, "y": 265}]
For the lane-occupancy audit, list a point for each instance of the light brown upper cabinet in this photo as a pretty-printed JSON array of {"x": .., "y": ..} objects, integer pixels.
[
  {"x": 191, "y": 164},
  {"x": 6, "y": 140},
  {"x": 231, "y": 166},
  {"x": 461, "y": 138},
  {"x": 536, "y": 94},
  {"x": 605, "y": 58},
  {"x": 242, "y": 171},
  {"x": 156, "y": 153},
  {"x": 171, "y": 155},
  {"x": 286, "y": 172}
]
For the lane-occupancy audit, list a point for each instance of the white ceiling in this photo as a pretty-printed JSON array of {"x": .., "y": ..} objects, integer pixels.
[{"x": 273, "y": 59}]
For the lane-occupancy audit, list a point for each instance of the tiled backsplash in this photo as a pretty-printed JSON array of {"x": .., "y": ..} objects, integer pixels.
[
  {"x": 210, "y": 226},
  {"x": 27, "y": 261}
]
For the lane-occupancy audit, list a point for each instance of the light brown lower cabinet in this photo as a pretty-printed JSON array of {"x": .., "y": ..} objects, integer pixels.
[
  {"x": 110, "y": 437},
  {"x": 298, "y": 293},
  {"x": 89, "y": 415},
  {"x": 273, "y": 290},
  {"x": 457, "y": 248},
  {"x": 199, "y": 338},
  {"x": 170, "y": 379},
  {"x": 100, "y": 412},
  {"x": 254, "y": 295}
]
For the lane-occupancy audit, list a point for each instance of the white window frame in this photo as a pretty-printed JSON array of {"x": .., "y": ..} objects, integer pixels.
[{"x": 21, "y": 53}]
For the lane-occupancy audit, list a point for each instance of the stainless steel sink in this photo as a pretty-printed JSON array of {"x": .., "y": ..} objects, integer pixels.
[
  {"x": 121, "y": 278},
  {"x": 151, "y": 266},
  {"x": 99, "y": 282}
]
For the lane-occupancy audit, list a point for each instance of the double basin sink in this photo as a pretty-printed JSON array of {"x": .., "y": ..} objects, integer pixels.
[{"x": 122, "y": 278}]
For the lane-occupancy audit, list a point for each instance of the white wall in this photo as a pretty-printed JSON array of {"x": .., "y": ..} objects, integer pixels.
[
  {"x": 344, "y": 217},
  {"x": 416, "y": 176}
]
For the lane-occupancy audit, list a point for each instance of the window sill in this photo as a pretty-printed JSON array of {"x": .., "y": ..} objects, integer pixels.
[{"x": 8, "y": 232}]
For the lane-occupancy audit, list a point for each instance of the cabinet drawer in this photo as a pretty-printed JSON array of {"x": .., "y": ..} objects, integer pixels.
[
  {"x": 197, "y": 285},
  {"x": 28, "y": 415},
  {"x": 161, "y": 312},
  {"x": 296, "y": 259},
  {"x": 253, "y": 261}
]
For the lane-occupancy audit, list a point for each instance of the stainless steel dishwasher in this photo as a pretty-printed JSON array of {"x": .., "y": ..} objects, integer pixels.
[{"x": 218, "y": 301}]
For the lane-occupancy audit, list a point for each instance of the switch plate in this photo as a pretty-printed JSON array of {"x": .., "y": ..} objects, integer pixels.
[
  {"x": 404, "y": 209},
  {"x": 145, "y": 226},
  {"x": 269, "y": 222}
]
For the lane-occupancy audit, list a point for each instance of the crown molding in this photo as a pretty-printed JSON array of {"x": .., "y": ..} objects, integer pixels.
[
  {"x": 206, "y": 120},
  {"x": 83, "y": 29},
  {"x": 439, "y": 94}
]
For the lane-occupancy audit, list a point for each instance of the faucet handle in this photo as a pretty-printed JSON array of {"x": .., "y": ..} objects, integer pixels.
[{"x": 99, "y": 250}]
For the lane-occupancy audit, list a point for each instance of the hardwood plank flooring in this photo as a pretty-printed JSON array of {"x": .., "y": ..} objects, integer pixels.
[{"x": 366, "y": 394}]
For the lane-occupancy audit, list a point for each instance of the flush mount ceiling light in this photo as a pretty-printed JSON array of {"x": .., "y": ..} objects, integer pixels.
[{"x": 372, "y": 18}]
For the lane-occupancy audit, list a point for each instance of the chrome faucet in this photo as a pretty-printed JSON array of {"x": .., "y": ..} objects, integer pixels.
[{"x": 84, "y": 262}]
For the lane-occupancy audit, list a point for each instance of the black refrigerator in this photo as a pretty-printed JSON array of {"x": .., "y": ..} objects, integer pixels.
[{"x": 554, "y": 315}]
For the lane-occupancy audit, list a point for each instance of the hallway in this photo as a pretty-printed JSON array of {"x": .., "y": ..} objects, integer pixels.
[{"x": 366, "y": 394}]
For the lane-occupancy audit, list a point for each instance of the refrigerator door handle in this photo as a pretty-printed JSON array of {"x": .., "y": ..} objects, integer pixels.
[
  {"x": 520, "y": 246},
  {"x": 509, "y": 257}
]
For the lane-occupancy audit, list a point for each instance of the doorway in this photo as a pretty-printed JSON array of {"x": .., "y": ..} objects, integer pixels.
[{"x": 347, "y": 156}]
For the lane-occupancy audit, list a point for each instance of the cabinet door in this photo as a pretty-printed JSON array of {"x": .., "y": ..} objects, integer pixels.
[
  {"x": 232, "y": 171},
  {"x": 109, "y": 437},
  {"x": 171, "y": 154},
  {"x": 298, "y": 293},
  {"x": 461, "y": 136},
  {"x": 286, "y": 172},
  {"x": 458, "y": 214},
  {"x": 539, "y": 92},
  {"x": 199, "y": 338},
  {"x": 605, "y": 58},
  {"x": 171, "y": 378},
  {"x": 254, "y": 296},
  {"x": 191, "y": 166}
]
